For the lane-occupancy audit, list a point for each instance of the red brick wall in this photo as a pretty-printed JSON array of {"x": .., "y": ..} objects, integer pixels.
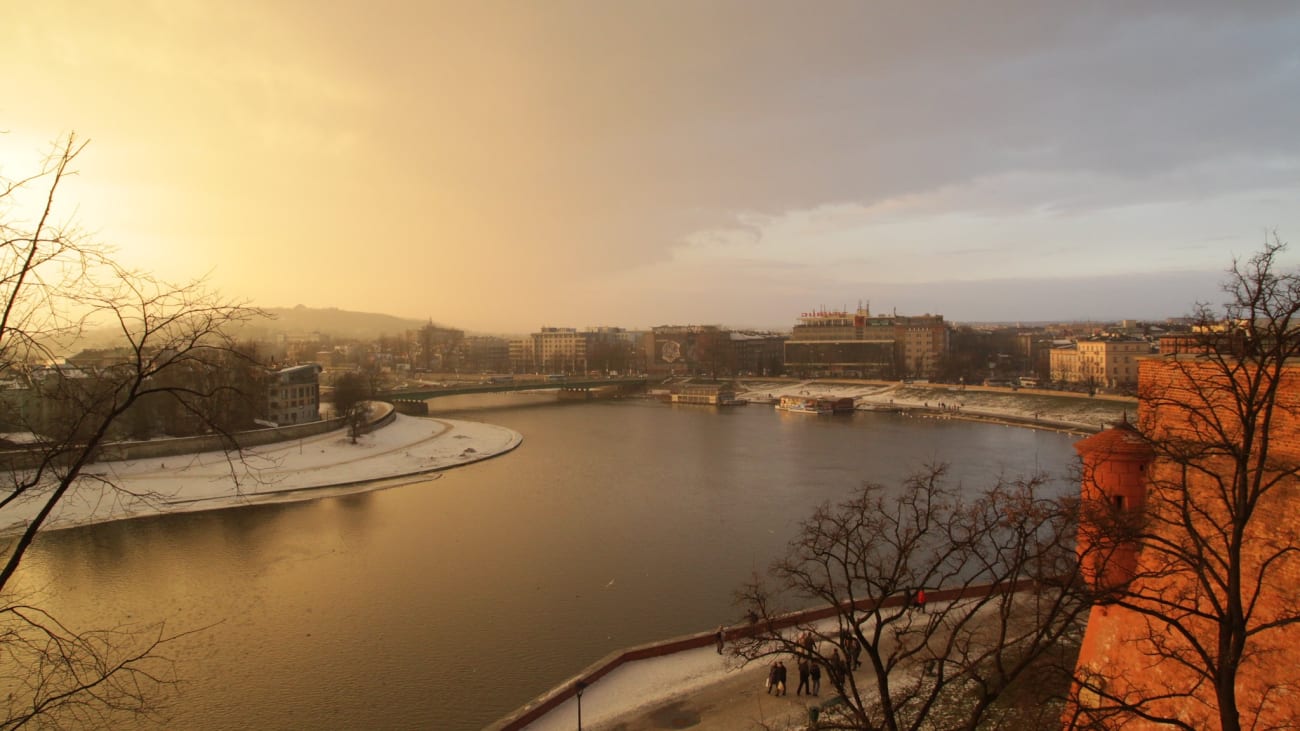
[{"x": 1119, "y": 643}]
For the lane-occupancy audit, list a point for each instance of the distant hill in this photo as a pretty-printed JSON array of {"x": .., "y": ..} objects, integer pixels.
[
  {"x": 298, "y": 320},
  {"x": 330, "y": 321}
]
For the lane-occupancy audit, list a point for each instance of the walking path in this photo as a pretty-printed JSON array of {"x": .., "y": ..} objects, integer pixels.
[
  {"x": 700, "y": 688},
  {"x": 697, "y": 689}
]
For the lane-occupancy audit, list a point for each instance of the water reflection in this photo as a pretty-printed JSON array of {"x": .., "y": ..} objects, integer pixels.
[{"x": 445, "y": 603}]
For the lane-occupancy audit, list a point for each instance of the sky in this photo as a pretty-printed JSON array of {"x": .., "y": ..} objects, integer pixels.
[{"x": 502, "y": 166}]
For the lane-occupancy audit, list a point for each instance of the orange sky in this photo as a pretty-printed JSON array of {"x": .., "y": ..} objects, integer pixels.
[{"x": 502, "y": 166}]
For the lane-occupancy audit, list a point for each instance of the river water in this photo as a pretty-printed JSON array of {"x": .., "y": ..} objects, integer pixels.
[{"x": 447, "y": 603}]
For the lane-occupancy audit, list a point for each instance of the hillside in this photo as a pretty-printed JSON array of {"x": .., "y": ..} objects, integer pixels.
[
  {"x": 298, "y": 320},
  {"x": 332, "y": 321}
]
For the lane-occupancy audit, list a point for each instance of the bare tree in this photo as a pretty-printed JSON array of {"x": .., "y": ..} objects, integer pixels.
[
  {"x": 351, "y": 391},
  {"x": 1198, "y": 634},
  {"x": 54, "y": 285},
  {"x": 1000, "y": 573}
]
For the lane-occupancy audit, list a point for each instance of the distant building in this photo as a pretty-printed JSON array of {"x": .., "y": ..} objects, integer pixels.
[
  {"x": 521, "y": 355},
  {"x": 689, "y": 349},
  {"x": 924, "y": 342},
  {"x": 1063, "y": 363},
  {"x": 858, "y": 344},
  {"x": 1100, "y": 362},
  {"x": 485, "y": 353},
  {"x": 293, "y": 395},
  {"x": 439, "y": 348},
  {"x": 560, "y": 350},
  {"x": 756, "y": 353}
]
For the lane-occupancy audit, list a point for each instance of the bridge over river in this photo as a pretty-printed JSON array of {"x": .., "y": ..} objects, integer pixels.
[{"x": 428, "y": 391}]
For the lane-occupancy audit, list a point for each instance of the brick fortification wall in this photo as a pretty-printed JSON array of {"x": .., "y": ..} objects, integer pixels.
[{"x": 1120, "y": 644}]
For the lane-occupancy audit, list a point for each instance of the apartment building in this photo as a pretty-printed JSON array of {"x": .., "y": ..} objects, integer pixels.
[
  {"x": 293, "y": 395},
  {"x": 923, "y": 341},
  {"x": 560, "y": 349},
  {"x": 1100, "y": 362}
]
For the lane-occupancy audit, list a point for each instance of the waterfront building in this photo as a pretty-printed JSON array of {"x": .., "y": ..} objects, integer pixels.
[
  {"x": 923, "y": 340},
  {"x": 293, "y": 395},
  {"x": 1100, "y": 362},
  {"x": 689, "y": 350},
  {"x": 522, "y": 359},
  {"x": 756, "y": 353},
  {"x": 858, "y": 344},
  {"x": 600, "y": 349},
  {"x": 840, "y": 343},
  {"x": 560, "y": 349},
  {"x": 611, "y": 349},
  {"x": 1064, "y": 363}
]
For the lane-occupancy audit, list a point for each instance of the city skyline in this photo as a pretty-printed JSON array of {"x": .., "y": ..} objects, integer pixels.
[{"x": 495, "y": 166}]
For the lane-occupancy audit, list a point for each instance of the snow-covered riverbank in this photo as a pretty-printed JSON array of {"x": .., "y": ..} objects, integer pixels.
[
  {"x": 330, "y": 463},
  {"x": 296, "y": 470},
  {"x": 1043, "y": 408}
]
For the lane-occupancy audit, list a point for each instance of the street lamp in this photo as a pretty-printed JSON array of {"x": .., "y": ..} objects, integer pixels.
[{"x": 580, "y": 686}]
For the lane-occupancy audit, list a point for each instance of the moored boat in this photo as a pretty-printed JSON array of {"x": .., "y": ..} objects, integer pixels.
[
  {"x": 803, "y": 405},
  {"x": 706, "y": 395},
  {"x": 815, "y": 405}
]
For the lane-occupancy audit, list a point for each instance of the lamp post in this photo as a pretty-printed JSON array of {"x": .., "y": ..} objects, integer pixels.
[{"x": 578, "y": 688}]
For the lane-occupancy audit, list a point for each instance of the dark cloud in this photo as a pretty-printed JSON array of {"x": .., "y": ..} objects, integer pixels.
[{"x": 638, "y": 123}]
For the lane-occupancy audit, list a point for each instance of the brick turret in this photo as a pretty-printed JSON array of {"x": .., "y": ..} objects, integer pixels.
[{"x": 1113, "y": 492}]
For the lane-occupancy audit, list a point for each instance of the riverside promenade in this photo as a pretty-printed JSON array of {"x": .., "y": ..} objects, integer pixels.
[{"x": 686, "y": 683}]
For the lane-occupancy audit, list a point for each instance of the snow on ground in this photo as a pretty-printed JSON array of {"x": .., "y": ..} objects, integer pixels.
[
  {"x": 637, "y": 684},
  {"x": 296, "y": 470},
  {"x": 772, "y": 391},
  {"x": 642, "y": 685},
  {"x": 630, "y": 694},
  {"x": 1049, "y": 408}
]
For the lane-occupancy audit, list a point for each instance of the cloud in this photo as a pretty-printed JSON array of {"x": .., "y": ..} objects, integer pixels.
[{"x": 475, "y": 156}]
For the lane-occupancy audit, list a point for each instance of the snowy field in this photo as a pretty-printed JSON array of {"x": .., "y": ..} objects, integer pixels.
[{"x": 297, "y": 470}]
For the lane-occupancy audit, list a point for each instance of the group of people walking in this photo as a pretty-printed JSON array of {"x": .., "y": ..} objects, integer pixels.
[
  {"x": 809, "y": 668},
  {"x": 810, "y": 662},
  {"x": 810, "y": 678}
]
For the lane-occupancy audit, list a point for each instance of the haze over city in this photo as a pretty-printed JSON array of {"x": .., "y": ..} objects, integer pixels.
[{"x": 501, "y": 166}]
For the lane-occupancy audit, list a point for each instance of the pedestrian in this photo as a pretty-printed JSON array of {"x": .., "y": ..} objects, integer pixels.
[
  {"x": 721, "y": 637},
  {"x": 771, "y": 678},
  {"x": 853, "y": 651},
  {"x": 780, "y": 678},
  {"x": 815, "y": 674},
  {"x": 809, "y": 642},
  {"x": 836, "y": 668},
  {"x": 920, "y": 599},
  {"x": 803, "y": 677}
]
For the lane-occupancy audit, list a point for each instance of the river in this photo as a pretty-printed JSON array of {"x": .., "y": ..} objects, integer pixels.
[{"x": 446, "y": 603}]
